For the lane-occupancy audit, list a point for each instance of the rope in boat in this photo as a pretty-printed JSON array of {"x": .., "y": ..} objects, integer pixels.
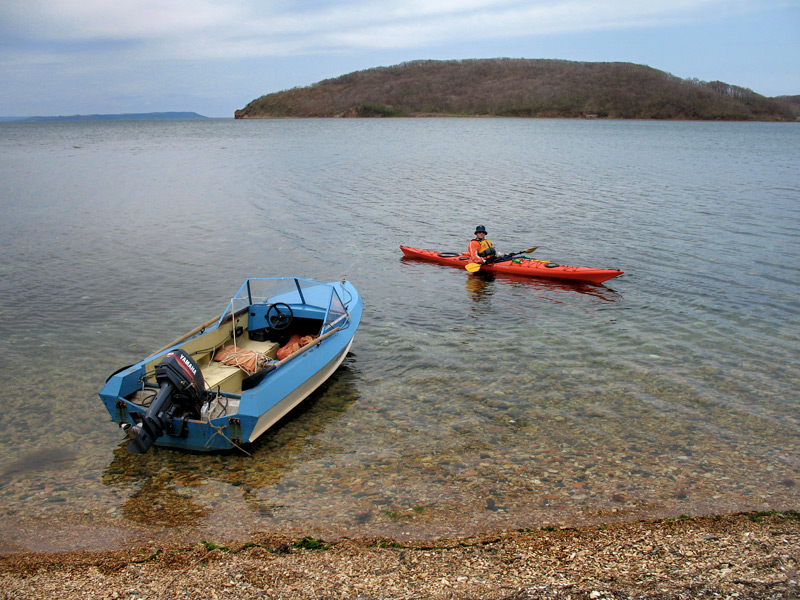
[
  {"x": 249, "y": 361},
  {"x": 243, "y": 359}
]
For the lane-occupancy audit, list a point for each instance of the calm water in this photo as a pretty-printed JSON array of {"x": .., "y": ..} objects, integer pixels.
[{"x": 468, "y": 404}]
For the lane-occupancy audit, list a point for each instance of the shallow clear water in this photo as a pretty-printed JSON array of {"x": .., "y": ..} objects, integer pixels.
[{"x": 469, "y": 403}]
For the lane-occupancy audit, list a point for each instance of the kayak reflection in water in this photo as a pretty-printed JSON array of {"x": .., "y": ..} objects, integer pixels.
[
  {"x": 480, "y": 249},
  {"x": 480, "y": 286}
]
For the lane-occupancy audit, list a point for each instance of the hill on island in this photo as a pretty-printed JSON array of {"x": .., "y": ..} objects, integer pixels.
[
  {"x": 506, "y": 87},
  {"x": 114, "y": 117}
]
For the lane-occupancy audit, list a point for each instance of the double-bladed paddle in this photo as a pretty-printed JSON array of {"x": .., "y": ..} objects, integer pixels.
[{"x": 475, "y": 267}]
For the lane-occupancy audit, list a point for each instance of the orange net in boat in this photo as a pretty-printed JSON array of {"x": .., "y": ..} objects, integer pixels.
[
  {"x": 247, "y": 360},
  {"x": 294, "y": 344}
]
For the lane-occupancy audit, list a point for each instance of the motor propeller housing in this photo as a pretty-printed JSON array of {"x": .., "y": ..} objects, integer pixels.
[{"x": 180, "y": 397}]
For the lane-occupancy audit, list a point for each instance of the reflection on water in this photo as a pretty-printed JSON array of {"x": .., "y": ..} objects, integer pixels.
[
  {"x": 45, "y": 459},
  {"x": 168, "y": 487},
  {"x": 480, "y": 286}
]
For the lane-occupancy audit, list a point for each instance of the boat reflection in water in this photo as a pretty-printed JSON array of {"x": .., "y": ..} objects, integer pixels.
[{"x": 168, "y": 487}]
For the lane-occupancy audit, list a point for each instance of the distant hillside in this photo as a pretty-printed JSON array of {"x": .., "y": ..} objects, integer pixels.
[
  {"x": 120, "y": 117},
  {"x": 793, "y": 102},
  {"x": 519, "y": 88}
]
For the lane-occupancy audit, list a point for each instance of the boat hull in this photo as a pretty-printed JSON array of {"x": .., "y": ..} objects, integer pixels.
[
  {"x": 524, "y": 267},
  {"x": 298, "y": 394}
]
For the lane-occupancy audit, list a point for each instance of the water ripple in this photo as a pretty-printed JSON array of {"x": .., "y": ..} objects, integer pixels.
[{"x": 469, "y": 401}]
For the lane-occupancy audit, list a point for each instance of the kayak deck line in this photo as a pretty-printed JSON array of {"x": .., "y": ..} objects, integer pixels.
[{"x": 524, "y": 266}]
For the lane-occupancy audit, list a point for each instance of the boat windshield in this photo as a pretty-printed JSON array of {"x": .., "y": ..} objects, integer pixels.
[{"x": 293, "y": 291}]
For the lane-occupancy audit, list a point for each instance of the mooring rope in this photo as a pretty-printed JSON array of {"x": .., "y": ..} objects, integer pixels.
[{"x": 219, "y": 431}]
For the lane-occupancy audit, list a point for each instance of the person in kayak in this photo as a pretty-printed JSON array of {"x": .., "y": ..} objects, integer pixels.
[{"x": 480, "y": 248}]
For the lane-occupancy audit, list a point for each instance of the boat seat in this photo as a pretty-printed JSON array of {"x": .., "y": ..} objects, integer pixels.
[
  {"x": 266, "y": 347},
  {"x": 224, "y": 378},
  {"x": 228, "y": 378}
]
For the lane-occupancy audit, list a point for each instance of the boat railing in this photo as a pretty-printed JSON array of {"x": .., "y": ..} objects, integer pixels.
[{"x": 343, "y": 319}]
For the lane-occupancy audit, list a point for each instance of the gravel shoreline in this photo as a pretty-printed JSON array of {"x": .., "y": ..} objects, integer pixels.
[{"x": 743, "y": 555}]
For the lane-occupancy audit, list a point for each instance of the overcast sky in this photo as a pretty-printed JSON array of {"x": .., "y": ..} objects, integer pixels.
[{"x": 67, "y": 57}]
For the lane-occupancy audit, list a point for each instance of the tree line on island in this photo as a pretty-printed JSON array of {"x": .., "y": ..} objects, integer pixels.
[{"x": 506, "y": 87}]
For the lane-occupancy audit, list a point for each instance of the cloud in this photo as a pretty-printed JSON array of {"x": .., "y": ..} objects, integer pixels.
[
  {"x": 356, "y": 26},
  {"x": 122, "y": 19},
  {"x": 251, "y": 28}
]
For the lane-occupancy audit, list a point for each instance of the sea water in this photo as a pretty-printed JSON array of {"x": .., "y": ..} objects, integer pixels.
[{"x": 469, "y": 403}]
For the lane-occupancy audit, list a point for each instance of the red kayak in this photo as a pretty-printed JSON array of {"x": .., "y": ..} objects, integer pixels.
[{"x": 519, "y": 265}]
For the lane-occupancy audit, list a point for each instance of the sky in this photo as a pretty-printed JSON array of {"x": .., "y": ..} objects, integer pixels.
[{"x": 69, "y": 57}]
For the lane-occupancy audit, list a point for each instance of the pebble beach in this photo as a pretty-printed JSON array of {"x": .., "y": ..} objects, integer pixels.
[{"x": 744, "y": 555}]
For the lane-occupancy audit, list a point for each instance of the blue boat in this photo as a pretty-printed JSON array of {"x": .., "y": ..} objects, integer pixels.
[{"x": 229, "y": 380}]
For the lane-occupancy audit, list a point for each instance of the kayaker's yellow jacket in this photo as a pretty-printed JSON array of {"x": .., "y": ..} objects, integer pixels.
[{"x": 480, "y": 249}]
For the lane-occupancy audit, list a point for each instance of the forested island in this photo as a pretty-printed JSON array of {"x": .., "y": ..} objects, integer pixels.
[{"x": 506, "y": 87}]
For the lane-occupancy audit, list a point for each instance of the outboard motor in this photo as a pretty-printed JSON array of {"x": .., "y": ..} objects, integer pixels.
[{"x": 181, "y": 396}]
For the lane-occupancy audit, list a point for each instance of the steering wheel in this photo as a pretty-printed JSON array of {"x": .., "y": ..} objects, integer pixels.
[{"x": 279, "y": 316}]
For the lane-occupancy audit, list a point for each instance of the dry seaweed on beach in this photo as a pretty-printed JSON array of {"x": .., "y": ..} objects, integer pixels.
[{"x": 745, "y": 555}]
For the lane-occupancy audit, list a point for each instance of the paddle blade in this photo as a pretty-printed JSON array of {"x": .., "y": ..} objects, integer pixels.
[
  {"x": 473, "y": 267},
  {"x": 528, "y": 251}
]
